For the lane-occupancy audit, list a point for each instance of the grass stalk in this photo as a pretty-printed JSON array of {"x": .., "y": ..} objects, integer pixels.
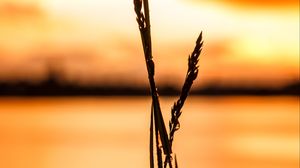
[
  {"x": 176, "y": 163},
  {"x": 191, "y": 75},
  {"x": 145, "y": 31},
  {"x": 151, "y": 139},
  {"x": 163, "y": 140}
]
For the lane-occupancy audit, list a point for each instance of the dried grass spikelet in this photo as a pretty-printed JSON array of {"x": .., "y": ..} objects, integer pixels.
[{"x": 163, "y": 140}]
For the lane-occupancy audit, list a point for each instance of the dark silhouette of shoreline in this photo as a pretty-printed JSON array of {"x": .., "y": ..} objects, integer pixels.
[{"x": 52, "y": 87}]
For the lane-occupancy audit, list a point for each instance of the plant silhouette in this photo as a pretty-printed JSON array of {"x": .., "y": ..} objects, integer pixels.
[{"x": 163, "y": 139}]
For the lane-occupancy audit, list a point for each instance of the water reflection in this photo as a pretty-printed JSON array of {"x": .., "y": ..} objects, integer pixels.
[{"x": 260, "y": 132}]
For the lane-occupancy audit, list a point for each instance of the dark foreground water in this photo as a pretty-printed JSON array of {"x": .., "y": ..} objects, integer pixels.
[{"x": 112, "y": 132}]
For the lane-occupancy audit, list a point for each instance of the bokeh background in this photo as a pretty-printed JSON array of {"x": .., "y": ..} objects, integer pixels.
[
  {"x": 94, "y": 46},
  {"x": 252, "y": 43}
]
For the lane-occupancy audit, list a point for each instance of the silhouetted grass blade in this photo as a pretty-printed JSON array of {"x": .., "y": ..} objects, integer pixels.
[
  {"x": 151, "y": 138},
  {"x": 162, "y": 138}
]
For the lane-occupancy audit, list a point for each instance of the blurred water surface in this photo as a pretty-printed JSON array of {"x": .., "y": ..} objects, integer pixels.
[{"x": 90, "y": 132}]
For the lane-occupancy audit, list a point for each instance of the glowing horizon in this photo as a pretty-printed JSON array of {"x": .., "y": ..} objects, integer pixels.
[{"x": 92, "y": 41}]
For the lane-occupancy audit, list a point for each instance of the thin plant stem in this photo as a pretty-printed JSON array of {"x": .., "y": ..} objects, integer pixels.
[
  {"x": 145, "y": 31},
  {"x": 163, "y": 140},
  {"x": 151, "y": 139}
]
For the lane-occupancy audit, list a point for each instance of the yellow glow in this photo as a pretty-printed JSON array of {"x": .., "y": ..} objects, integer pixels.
[{"x": 107, "y": 31}]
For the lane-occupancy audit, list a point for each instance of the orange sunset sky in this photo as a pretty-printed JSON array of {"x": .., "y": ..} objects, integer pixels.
[{"x": 247, "y": 42}]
